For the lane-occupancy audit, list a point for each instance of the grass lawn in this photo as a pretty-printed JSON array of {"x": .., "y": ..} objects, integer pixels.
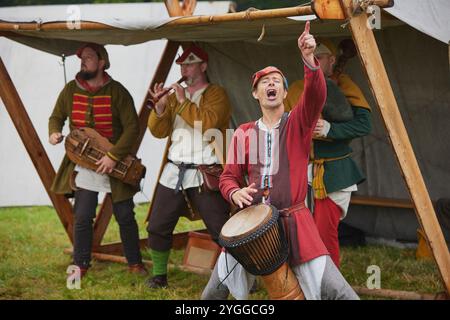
[{"x": 33, "y": 266}]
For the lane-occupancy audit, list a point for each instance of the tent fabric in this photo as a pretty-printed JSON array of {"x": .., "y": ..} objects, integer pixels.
[
  {"x": 39, "y": 77},
  {"x": 137, "y": 23},
  {"x": 417, "y": 66},
  {"x": 131, "y": 16}
]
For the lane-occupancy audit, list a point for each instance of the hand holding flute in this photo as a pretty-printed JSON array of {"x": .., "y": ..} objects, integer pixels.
[{"x": 159, "y": 95}]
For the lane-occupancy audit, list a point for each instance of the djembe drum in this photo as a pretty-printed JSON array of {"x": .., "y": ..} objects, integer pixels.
[{"x": 255, "y": 238}]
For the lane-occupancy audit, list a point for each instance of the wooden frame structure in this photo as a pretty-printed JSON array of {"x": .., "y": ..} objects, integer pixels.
[{"x": 371, "y": 62}]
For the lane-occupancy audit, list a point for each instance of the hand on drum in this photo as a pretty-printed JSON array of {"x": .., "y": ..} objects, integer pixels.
[{"x": 243, "y": 196}]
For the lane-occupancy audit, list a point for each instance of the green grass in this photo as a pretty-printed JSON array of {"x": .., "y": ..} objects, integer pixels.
[{"x": 33, "y": 266}]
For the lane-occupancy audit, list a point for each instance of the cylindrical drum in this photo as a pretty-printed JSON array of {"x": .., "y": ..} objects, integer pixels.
[{"x": 255, "y": 238}]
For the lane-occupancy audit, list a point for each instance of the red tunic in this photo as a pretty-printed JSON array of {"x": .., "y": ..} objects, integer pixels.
[{"x": 279, "y": 159}]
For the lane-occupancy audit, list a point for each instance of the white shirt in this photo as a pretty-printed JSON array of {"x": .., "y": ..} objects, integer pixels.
[
  {"x": 90, "y": 180},
  {"x": 187, "y": 146}
]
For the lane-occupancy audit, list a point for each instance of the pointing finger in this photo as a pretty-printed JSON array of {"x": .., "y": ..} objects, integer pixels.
[{"x": 307, "y": 27}]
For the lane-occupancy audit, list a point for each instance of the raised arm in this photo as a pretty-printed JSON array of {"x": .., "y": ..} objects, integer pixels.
[{"x": 309, "y": 106}]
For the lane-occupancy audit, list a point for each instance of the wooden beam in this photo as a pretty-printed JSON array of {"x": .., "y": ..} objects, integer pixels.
[
  {"x": 161, "y": 73},
  {"x": 116, "y": 248},
  {"x": 332, "y": 10},
  {"x": 179, "y": 242},
  {"x": 182, "y": 21},
  {"x": 163, "y": 69},
  {"x": 174, "y": 8},
  {"x": 105, "y": 213},
  {"x": 381, "y": 202},
  {"x": 400, "y": 295},
  {"x": 120, "y": 259},
  {"x": 384, "y": 97},
  {"x": 34, "y": 147}
]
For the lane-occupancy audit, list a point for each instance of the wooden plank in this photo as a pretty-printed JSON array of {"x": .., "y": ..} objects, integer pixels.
[
  {"x": 400, "y": 295},
  {"x": 116, "y": 248},
  {"x": 179, "y": 243},
  {"x": 182, "y": 21},
  {"x": 332, "y": 10},
  {"x": 381, "y": 202},
  {"x": 34, "y": 147},
  {"x": 384, "y": 97},
  {"x": 121, "y": 259},
  {"x": 174, "y": 8},
  {"x": 161, "y": 73},
  {"x": 105, "y": 213}
]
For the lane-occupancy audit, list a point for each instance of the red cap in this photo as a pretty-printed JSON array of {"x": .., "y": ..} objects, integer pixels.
[
  {"x": 193, "y": 54},
  {"x": 264, "y": 72},
  {"x": 101, "y": 51}
]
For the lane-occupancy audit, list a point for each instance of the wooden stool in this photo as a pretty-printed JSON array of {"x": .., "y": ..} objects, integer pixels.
[{"x": 201, "y": 252}]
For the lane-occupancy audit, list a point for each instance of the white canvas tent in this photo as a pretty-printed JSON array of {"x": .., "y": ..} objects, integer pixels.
[
  {"x": 417, "y": 64},
  {"x": 39, "y": 77}
]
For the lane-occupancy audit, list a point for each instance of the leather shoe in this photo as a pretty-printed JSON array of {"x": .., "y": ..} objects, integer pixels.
[
  {"x": 138, "y": 269},
  {"x": 157, "y": 282}
]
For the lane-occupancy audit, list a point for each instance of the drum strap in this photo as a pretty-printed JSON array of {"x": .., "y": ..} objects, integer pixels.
[
  {"x": 229, "y": 271},
  {"x": 289, "y": 225}
]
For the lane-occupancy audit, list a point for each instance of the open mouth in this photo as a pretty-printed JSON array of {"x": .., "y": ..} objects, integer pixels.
[{"x": 271, "y": 93}]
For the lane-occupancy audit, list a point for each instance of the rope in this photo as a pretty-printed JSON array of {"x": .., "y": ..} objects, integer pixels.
[
  {"x": 63, "y": 64},
  {"x": 229, "y": 272}
]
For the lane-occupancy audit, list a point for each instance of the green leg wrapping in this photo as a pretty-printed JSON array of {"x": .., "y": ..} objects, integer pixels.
[{"x": 160, "y": 259}]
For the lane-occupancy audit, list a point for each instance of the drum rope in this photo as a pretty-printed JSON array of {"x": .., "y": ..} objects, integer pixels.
[{"x": 229, "y": 272}]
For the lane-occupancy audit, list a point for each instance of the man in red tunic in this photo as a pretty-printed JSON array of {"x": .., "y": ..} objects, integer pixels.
[{"x": 272, "y": 154}]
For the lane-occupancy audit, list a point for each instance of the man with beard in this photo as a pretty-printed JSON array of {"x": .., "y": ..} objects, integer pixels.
[
  {"x": 187, "y": 117},
  {"x": 97, "y": 101}
]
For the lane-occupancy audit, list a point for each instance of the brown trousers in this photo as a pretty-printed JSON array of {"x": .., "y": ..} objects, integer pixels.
[{"x": 168, "y": 208}]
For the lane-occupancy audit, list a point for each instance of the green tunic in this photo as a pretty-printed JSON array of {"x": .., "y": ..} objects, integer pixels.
[
  {"x": 342, "y": 173},
  {"x": 125, "y": 131}
]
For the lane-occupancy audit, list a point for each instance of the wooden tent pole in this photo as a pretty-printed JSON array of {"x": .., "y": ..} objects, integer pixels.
[
  {"x": 185, "y": 20},
  {"x": 401, "y": 295},
  {"x": 162, "y": 71},
  {"x": 105, "y": 212},
  {"x": 175, "y": 9},
  {"x": 34, "y": 147},
  {"x": 379, "y": 83}
]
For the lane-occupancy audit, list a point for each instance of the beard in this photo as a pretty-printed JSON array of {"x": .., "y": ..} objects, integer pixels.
[{"x": 88, "y": 75}]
